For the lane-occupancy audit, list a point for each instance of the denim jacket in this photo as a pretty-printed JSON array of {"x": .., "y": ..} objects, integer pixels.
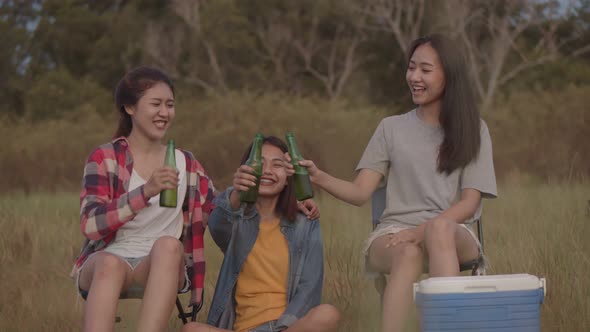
[{"x": 235, "y": 232}]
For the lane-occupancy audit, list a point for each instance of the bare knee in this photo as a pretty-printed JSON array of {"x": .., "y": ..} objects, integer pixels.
[
  {"x": 168, "y": 246},
  {"x": 407, "y": 253},
  {"x": 195, "y": 327},
  {"x": 440, "y": 234},
  {"x": 325, "y": 317},
  {"x": 406, "y": 257},
  {"x": 109, "y": 266}
]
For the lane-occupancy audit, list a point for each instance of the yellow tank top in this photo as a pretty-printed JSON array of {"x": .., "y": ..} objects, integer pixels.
[{"x": 261, "y": 290}]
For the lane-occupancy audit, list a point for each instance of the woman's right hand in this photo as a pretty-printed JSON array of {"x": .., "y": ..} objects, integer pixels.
[
  {"x": 244, "y": 179},
  {"x": 162, "y": 178},
  {"x": 313, "y": 170}
]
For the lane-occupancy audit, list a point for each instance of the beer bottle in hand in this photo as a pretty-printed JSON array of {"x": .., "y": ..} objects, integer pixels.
[
  {"x": 168, "y": 196},
  {"x": 254, "y": 161},
  {"x": 301, "y": 184}
]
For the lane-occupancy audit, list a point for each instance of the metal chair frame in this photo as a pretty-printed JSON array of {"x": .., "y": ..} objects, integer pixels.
[{"x": 136, "y": 292}]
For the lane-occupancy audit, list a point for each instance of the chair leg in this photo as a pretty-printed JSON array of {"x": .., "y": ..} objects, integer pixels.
[
  {"x": 194, "y": 314},
  {"x": 480, "y": 233},
  {"x": 181, "y": 313},
  {"x": 196, "y": 308}
]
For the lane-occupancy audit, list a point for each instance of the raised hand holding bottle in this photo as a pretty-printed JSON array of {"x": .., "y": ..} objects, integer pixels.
[
  {"x": 254, "y": 161},
  {"x": 301, "y": 183}
]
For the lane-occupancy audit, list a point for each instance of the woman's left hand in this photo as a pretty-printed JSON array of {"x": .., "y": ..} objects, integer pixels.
[
  {"x": 412, "y": 235},
  {"x": 309, "y": 208}
]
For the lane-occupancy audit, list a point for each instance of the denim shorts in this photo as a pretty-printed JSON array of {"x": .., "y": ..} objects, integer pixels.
[{"x": 266, "y": 327}]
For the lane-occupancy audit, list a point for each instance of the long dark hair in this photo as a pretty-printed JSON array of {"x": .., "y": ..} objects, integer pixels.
[
  {"x": 287, "y": 204},
  {"x": 459, "y": 116},
  {"x": 131, "y": 88}
]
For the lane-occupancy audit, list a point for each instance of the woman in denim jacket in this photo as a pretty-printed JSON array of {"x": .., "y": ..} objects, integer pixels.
[{"x": 271, "y": 276}]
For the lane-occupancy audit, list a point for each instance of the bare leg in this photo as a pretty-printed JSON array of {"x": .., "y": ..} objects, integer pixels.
[
  {"x": 447, "y": 244},
  {"x": 403, "y": 262},
  {"x": 323, "y": 318},
  {"x": 104, "y": 275},
  {"x": 200, "y": 327},
  {"x": 162, "y": 274}
]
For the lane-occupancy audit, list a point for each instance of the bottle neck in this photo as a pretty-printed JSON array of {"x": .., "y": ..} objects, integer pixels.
[
  {"x": 256, "y": 151},
  {"x": 293, "y": 149},
  {"x": 170, "y": 155}
]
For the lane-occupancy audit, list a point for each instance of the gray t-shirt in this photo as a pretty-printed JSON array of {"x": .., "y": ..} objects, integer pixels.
[{"x": 404, "y": 149}]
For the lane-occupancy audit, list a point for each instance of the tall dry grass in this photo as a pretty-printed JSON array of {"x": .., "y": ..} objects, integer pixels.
[
  {"x": 542, "y": 133},
  {"x": 50, "y": 155},
  {"x": 542, "y": 229}
]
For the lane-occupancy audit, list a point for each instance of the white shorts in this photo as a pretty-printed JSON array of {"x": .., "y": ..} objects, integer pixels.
[
  {"x": 392, "y": 229},
  {"x": 133, "y": 262}
]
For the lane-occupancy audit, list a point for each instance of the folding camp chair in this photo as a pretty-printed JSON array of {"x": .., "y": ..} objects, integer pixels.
[
  {"x": 378, "y": 201},
  {"x": 136, "y": 292}
]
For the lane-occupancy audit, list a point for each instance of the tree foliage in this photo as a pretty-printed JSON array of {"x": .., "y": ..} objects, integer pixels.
[{"x": 351, "y": 49}]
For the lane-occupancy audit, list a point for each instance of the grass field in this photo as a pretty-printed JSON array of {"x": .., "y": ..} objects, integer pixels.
[{"x": 537, "y": 229}]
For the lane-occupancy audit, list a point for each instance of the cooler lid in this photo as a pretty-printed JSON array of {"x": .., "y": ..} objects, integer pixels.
[{"x": 476, "y": 284}]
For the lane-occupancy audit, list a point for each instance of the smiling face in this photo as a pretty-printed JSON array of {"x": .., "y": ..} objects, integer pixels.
[
  {"x": 153, "y": 112},
  {"x": 425, "y": 76},
  {"x": 274, "y": 173}
]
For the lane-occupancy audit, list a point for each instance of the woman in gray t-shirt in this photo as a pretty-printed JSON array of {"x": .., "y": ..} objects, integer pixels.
[{"x": 437, "y": 163}]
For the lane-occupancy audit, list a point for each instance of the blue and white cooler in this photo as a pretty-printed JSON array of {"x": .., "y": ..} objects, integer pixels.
[{"x": 510, "y": 302}]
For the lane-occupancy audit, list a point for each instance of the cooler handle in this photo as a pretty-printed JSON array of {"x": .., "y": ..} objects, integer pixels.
[{"x": 416, "y": 287}]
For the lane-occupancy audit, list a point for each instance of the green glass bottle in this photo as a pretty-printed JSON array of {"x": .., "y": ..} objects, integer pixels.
[
  {"x": 168, "y": 196},
  {"x": 301, "y": 184},
  {"x": 254, "y": 161}
]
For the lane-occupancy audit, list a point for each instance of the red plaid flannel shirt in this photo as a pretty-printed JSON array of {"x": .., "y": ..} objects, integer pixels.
[{"x": 106, "y": 205}]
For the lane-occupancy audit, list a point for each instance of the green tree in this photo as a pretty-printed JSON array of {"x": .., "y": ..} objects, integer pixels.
[
  {"x": 58, "y": 94},
  {"x": 16, "y": 20}
]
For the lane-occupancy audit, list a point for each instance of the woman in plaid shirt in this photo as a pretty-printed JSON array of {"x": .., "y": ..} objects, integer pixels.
[{"x": 130, "y": 239}]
